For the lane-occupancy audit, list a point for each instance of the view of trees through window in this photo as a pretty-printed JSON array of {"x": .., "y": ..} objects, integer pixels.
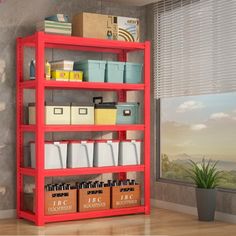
[{"x": 196, "y": 127}]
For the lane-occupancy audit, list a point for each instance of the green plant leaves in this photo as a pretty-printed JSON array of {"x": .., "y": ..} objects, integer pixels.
[{"x": 204, "y": 174}]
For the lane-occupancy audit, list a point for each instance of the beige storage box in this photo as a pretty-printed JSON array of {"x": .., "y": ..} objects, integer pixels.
[
  {"x": 82, "y": 114},
  {"x": 55, "y": 114},
  {"x": 62, "y": 65},
  {"x": 91, "y": 25}
]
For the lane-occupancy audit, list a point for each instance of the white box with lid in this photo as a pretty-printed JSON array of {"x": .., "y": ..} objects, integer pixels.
[
  {"x": 80, "y": 154},
  {"x": 62, "y": 65},
  {"x": 130, "y": 152},
  {"x": 55, "y": 113},
  {"x": 82, "y": 114},
  {"x": 55, "y": 155},
  {"x": 106, "y": 153}
]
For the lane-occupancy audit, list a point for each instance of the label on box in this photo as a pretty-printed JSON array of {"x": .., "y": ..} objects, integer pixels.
[
  {"x": 128, "y": 29},
  {"x": 58, "y": 202},
  {"x": 94, "y": 199},
  {"x": 126, "y": 196}
]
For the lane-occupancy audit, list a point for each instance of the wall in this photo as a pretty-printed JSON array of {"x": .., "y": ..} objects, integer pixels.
[
  {"x": 166, "y": 192},
  {"x": 18, "y": 18}
]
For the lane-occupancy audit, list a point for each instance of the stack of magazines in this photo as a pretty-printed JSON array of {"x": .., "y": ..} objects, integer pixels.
[{"x": 57, "y": 24}]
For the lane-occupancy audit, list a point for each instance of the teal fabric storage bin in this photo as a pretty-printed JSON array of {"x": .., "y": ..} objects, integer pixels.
[
  {"x": 133, "y": 73},
  {"x": 94, "y": 70},
  {"x": 115, "y": 72},
  {"x": 127, "y": 113}
]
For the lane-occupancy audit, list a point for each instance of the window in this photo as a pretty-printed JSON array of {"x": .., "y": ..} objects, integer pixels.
[
  {"x": 195, "y": 85},
  {"x": 197, "y": 127}
]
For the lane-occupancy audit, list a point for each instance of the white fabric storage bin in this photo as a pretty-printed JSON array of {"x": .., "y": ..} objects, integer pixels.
[
  {"x": 82, "y": 114},
  {"x": 55, "y": 155},
  {"x": 106, "y": 153},
  {"x": 80, "y": 154},
  {"x": 130, "y": 152},
  {"x": 55, "y": 113}
]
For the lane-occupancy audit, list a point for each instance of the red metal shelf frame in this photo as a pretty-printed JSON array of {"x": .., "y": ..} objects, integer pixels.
[
  {"x": 29, "y": 84},
  {"x": 41, "y": 41},
  {"x": 84, "y": 215},
  {"x": 83, "y": 171},
  {"x": 82, "y": 128}
]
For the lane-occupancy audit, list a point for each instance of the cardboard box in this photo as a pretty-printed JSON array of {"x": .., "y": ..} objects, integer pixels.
[
  {"x": 61, "y": 75},
  {"x": 60, "y": 202},
  {"x": 76, "y": 76},
  {"x": 125, "y": 196},
  {"x": 92, "y": 25},
  {"x": 128, "y": 29},
  {"x": 92, "y": 199}
]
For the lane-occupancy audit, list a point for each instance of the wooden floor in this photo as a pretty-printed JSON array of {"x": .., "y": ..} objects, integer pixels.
[{"x": 160, "y": 222}]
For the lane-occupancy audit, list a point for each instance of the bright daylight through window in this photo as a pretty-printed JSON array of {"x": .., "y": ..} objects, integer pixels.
[{"x": 197, "y": 127}]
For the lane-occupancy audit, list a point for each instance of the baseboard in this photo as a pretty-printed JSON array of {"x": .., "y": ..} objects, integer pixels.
[
  {"x": 229, "y": 218},
  {"x": 7, "y": 214}
]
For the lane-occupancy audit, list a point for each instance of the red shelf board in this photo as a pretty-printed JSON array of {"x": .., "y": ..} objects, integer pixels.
[
  {"x": 27, "y": 215},
  {"x": 95, "y": 214},
  {"x": 27, "y": 171},
  {"x": 83, "y": 128},
  {"x": 84, "y": 85},
  {"x": 83, "y": 44},
  {"x": 84, "y": 171},
  {"x": 84, "y": 215},
  {"x": 93, "y": 170}
]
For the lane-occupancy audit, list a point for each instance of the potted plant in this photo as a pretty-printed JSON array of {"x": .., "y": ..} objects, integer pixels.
[{"x": 206, "y": 177}]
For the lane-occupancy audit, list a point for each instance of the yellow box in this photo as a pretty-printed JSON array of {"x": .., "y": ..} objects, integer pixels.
[
  {"x": 104, "y": 115},
  {"x": 76, "y": 76},
  {"x": 61, "y": 75}
]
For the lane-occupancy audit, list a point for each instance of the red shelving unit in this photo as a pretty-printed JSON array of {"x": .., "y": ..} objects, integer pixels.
[{"x": 40, "y": 41}]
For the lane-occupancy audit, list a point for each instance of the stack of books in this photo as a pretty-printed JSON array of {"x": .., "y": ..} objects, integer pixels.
[{"x": 57, "y": 24}]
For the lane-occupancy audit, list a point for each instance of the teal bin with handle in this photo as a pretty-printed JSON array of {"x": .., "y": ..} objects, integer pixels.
[
  {"x": 94, "y": 70},
  {"x": 127, "y": 113},
  {"x": 115, "y": 72},
  {"x": 133, "y": 73}
]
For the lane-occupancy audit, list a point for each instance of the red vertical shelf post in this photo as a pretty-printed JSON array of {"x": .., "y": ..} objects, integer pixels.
[
  {"x": 19, "y": 122},
  {"x": 39, "y": 141},
  {"x": 122, "y": 97},
  {"x": 147, "y": 127}
]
